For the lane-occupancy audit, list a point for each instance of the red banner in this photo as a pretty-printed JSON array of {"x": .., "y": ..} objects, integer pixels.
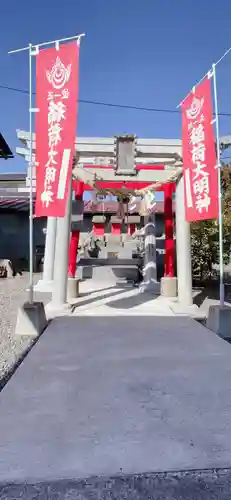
[
  {"x": 199, "y": 155},
  {"x": 56, "y": 101}
]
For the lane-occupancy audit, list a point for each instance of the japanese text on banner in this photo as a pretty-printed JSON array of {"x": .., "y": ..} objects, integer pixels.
[
  {"x": 56, "y": 114},
  {"x": 56, "y": 99},
  {"x": 199, "y": 157}
]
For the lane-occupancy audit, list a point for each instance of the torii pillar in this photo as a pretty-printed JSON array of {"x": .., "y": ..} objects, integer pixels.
[
  {"x": 74, "y": 242},
  {"x": 46, "y": 283},
  {"x": 59, "y": 289},
  {"x": 169, "y": 280},
  {"x": 183, "y": 248}
]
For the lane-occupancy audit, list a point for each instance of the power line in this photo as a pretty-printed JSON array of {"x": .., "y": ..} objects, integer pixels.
[
  {"x": 112, "y": 105},
  {"x": 100, "y": 103},
  {"x": 127, "y": 106}
]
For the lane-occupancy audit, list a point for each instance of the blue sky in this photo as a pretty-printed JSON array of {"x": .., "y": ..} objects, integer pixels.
[{"x": 144, "y": 53}]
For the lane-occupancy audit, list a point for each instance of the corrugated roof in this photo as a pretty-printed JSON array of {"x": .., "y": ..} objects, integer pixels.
[{"x": 12, "y": 177}]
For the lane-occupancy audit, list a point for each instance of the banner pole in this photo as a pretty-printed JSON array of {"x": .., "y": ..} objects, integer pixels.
[
  {"x": 31, "y": 288},
  {"x": 51, "y": 42},
  {"x": 220, "y": 217}
]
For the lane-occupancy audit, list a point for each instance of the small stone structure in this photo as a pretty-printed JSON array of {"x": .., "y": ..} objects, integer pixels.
[{"x": 6, "y": 269}]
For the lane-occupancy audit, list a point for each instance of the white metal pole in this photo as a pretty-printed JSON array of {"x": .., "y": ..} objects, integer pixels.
[
  {"x": 51, "y": 42},
  {"x": 220, "y": 217},
  {"x": 31, "y": 288}
]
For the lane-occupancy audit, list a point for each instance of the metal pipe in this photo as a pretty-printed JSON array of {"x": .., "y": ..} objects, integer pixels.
[
  {"x": 31, "y": 290},
  {"x": 220, "y": 218},
  {"x": 75, "y": 37}
]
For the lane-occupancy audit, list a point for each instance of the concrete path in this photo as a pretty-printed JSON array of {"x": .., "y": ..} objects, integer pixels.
[
  {"x": 104, "y": 299},
  {"x": 100, "y": 396},
  {"x": 113, "y": 299}
]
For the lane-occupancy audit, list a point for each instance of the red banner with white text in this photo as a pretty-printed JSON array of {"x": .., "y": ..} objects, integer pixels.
[
  {"x": 199, "y": 155},
  {"x": 56, "y": 101}
]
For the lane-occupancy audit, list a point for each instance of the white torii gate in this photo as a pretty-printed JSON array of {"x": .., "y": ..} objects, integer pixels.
[{"x": 96, "y": 151}]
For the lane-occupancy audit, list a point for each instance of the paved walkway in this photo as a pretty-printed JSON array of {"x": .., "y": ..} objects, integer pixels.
[{"x": 102, "y": 396}]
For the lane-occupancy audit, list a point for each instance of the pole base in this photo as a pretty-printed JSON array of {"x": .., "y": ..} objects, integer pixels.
[
  {"x": 219, "y": 320},
  {"x": 73, "y": 288},
  {"x": 31, "y": 319},
  {"x": 168, "y": 286},
  {"x": 54, "y": 309},
  {"x": 190, "y": 310}
]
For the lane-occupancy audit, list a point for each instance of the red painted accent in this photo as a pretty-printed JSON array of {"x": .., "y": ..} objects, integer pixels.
[
  {"x": 73, "y": 251},
  {"x": 115, "y": 228},
  {"x": 118, "y": 185},
  {"x": 74, "y": 243},
  {"x": 169, "y": 241},
  {"x": 138, "y": 167},
  {"x": 131, "y": 228},
  {"x": 98, "y": 229}
]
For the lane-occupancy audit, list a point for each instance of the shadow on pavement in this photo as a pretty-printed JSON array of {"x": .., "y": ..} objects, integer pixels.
[
  {"x": 133, "y": 301},
  {"x": 91, "y": 300}
]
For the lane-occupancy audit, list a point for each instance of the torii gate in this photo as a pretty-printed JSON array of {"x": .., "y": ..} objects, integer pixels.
[
  {"x": 153, "y": 161},
  {"x": 116, "y": 187}
]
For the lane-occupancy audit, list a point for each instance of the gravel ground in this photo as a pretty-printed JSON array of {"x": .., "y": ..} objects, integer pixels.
[{"x": 12, "y": 295}]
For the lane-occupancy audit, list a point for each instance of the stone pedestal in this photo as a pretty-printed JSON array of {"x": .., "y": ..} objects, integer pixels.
[
  {"x": 168, "y": 287},
  {"x": 31, "y": 319},
  {"x": 72, "y": 288},
  {"x": 219, "y": 321}
]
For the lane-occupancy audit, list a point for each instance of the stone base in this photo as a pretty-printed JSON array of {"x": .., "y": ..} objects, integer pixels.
[
  {"x": 219, "y": 321},
  {"x": 168, "y": 287},
  {"x": 192, "y": 310},
  {"x": 150, "y": 287},
  {"x": 73, "y": 288},
  {"x": 44, "y": 286},
  {"x": 31, "y": 319},
  {"x": 54, "y": 309}
]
